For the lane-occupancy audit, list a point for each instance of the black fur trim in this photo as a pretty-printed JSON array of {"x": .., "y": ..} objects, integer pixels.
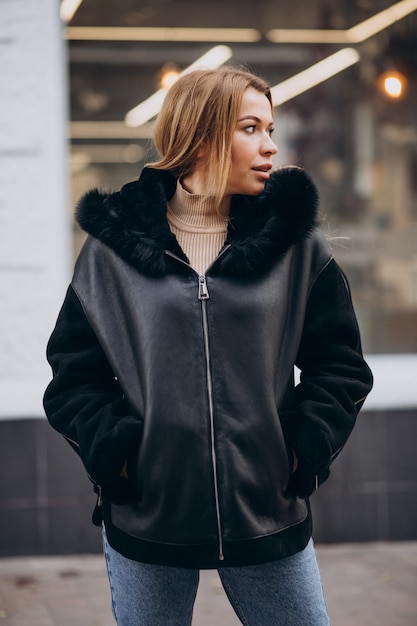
[{"x": 262, "y": 228}]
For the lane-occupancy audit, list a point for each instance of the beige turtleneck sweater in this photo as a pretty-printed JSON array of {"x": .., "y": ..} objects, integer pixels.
[{"x": 198, "y": 225}]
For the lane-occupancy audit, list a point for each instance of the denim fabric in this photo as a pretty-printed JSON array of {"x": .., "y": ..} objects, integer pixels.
[{"x": 287, "y": 592}]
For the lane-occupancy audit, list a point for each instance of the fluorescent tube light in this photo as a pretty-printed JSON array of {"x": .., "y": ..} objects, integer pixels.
[
  {"x": 162, "y": 33},
  {"x": 380, "y": 21},
  {"x": 150, "y": 107},
  {"x": 146, "y": 110},
  {"x": 306, "y": 35},
  {"x": 68, "y": 9},
  {"x": 314, "y": 75}
]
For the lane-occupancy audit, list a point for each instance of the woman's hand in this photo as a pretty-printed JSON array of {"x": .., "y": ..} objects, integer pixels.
[{"x": 294, "y": 461}]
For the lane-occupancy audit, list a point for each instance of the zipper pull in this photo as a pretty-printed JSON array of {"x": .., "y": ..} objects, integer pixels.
[
  {"x": 203, "y": 293},
  {"x": 99, "y": 496},
  {"x": 97, "y": 517}
]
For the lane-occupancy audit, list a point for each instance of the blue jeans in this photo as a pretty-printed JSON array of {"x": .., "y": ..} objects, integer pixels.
[{"x": 287, "y": 592}]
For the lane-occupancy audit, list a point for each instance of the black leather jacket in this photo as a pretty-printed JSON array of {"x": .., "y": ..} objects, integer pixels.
[{"x": 189, "y": 379}]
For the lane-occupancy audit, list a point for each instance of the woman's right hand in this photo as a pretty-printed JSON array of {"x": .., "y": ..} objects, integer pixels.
[{"x": 294, "y": 461}]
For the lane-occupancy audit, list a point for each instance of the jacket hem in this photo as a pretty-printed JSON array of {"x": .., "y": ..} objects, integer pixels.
[{"x": 243, "y": 553}]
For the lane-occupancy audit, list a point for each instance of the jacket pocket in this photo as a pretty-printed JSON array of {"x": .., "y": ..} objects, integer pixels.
[{"x": 133, "y": 473}]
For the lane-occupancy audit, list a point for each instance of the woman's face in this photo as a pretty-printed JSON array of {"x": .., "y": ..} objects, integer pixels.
[{"x": 252, "y": 146}]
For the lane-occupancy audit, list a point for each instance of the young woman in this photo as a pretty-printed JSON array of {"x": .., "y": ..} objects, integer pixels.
[{"x": 199, "y": 288}]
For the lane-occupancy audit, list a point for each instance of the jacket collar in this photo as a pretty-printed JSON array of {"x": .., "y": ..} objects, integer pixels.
[{"x": 261, "y": 228}]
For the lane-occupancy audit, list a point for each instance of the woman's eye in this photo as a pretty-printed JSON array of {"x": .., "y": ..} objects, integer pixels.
[{"x": 252, "y": 129}]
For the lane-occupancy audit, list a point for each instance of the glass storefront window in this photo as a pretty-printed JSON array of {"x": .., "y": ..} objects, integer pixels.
[
  {"x": 361, "y": 151},
  {"x": 359, "y": 147}
]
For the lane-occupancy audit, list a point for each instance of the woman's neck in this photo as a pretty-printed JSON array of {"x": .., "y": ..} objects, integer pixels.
[
  {"x": 199, "y": 224},
  {"x": 197, "y": 183},
  {"x": 201, "y": 211}
]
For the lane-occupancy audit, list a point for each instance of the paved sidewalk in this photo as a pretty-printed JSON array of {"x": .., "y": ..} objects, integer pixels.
[{"x": 365, "y": 585}]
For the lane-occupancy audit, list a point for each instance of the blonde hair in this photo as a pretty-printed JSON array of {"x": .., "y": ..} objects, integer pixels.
[{"x": 199, "y": 115}]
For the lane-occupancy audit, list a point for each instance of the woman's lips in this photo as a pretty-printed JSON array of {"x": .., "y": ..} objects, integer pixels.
[{"x": 263, "y": 172}]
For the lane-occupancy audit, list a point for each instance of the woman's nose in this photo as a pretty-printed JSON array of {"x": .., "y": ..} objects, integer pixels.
[{"x": 268, "y": 146}]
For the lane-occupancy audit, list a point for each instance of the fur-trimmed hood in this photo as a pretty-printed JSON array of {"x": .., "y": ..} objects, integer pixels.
[{"x": 261, "y": 228}]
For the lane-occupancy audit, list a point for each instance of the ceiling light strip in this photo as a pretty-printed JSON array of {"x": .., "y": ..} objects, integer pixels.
[
  {"x": 362, "y": 31},
  {"x": 314, "y": 75},
  {"x": 306, "y": 35},
  {"x": 108, "y": 130},
  {"x": 126, "y": 33}
]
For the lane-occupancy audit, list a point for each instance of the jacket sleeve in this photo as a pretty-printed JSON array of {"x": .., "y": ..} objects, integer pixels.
[
  {"x": 334, "y": 381},
  {"x": 85, "y": 404}
]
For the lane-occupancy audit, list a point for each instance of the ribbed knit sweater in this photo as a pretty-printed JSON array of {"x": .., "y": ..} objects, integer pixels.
[{"x": 199, "y": 226}]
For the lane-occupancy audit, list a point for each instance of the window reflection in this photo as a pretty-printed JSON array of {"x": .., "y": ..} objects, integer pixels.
[{"x": 362, "y": 153}]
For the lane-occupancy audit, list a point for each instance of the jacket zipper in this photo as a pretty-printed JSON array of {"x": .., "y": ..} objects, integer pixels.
[
  {"x": 203, "y": 296},
  {"x": 74, "y": 443}
]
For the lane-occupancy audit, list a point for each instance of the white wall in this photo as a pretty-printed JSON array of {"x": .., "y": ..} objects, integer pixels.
[{"x": 35, "y": 257}]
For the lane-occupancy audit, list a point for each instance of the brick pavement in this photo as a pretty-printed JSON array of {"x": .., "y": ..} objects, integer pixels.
[{"x": 365, "y": 585}]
